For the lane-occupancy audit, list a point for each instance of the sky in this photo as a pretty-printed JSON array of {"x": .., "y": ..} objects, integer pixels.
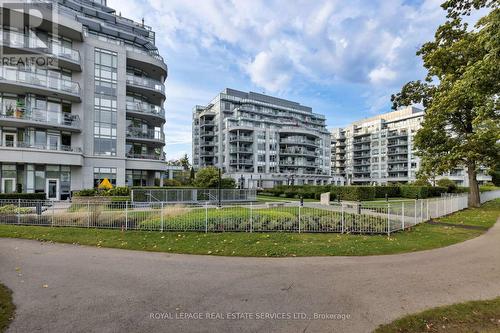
[{"x": 342, "y": 58}]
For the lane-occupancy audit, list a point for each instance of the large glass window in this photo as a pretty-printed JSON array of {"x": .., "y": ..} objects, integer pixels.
[{"x": 105, "y": 102}]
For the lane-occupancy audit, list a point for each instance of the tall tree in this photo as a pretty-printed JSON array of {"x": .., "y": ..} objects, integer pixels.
[
  {"x": 460, "y": 94},
  {"x": 184, "y": 161}
]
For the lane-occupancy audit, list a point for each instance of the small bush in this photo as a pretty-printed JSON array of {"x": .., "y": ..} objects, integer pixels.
[
  {"x": 450, "y": 185},
  {"x": 119, "y": 191},
  {"x": 13, "y": 209},
  {"x": 89, "y": 192}
]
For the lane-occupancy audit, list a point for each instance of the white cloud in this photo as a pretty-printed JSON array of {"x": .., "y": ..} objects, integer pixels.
[
  {"x": 381, "y": 74},
  {"x": 282, "y": 47}
]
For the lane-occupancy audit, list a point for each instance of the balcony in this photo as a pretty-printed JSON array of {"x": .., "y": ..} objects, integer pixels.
[
  {"x": 17, "y": 81},
  {"x": 304, "y": 142},
  {"x": 156, "y": 157},
  {"x": 397, "y": 152},
  {"x": 242, "y": 161},
  {"x": 363, "y": 139},
  {"x": 146, "y": 135},
  {"x": 244, "y": 138},
  {"x": 397, "y": 134},
  {"x": 40, "y": 118},
  {"x": 148, "y": 61},
  {"x": 146, "y": 111},
  {"x": 207, "y": 143},
  {"x": 242, "y": 150},
  {"x": 398, "y": 169},
  {"x": 397, "y": 160},
  {"x": 24, "y": 152},
  {"x": 22, "y": 43},
  {"x": 298, "y": 164},
  {"x": 303, "y": 152},
  {"x": 396, "y": 143},
  {"x": 207, "y": 123},
  {"x": 207, "y": 133},
  {"x": 361, "y": 148},
  {"x": 22, "y": 144},
  {"x": 154, "y": 90}
]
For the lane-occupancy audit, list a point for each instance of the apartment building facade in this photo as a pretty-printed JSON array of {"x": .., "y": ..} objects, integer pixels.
[
  {"x": 96, "y": 112},
  {"x": 261, "y": 141},
  {"x": 380, "y": 150}
]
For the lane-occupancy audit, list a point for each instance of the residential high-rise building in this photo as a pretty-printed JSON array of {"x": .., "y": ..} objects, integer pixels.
[
  {"x": 94, "y": 111},
  {"x": 261, "y": 141},
  {"x": 380, "y": 150}
]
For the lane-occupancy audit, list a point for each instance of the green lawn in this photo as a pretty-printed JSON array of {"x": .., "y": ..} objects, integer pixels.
[
  {"x": 476, "y": 316},
  {"x": 6, "y": 308},
  {"x": 276, "y": 244}
]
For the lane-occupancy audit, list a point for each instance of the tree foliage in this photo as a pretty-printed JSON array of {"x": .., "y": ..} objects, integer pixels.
[
  {"x": 460, "y": 94},
  {"x": 209, "y": 178}
]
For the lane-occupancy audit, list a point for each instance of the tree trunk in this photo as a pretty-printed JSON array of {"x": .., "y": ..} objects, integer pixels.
[{"x": 474, "y": 200}]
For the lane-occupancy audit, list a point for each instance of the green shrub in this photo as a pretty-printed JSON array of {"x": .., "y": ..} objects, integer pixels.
[
  {"x": 119, "y": 191},
  {"x": 13, "y": 209},
  {"x": 24, "y": 196},
  {"x": 421, "y": 192},
  {"x": 352, "y": 193},
  {"x": 89, "y": 192},
  {"x": 450, "y": 185},
  {"x": 391, "y": 191}
]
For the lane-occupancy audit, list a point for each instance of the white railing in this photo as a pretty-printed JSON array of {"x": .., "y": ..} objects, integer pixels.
[
  {"x": 365, "y": 218},
  {"x": 192, "y": 195}
]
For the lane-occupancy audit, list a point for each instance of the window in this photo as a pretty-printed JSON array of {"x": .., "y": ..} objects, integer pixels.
[
  {"x": 105, "y": 110},
  {"x": 101, "y": 173}
]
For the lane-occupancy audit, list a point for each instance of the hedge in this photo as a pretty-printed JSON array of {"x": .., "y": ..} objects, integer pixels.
[
  {"x": 24, "y": 196},
  {"x": 355, "y": 193}
]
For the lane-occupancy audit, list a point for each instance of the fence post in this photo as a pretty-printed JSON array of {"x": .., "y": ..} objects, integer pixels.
[
  {"x": 403, "y": 215},
  {"x": 206, "y": 217},
  {"x": 415, "y": 220},
  {"x": 388, "y": 221},
  {"x": 88, "y": 215},
  {"x": 161, "y": 218},
  {"x": 18, "y": 211},
  {"x": 342, "y": 218},
  {"x": 427, "y": 214},
  {"x": 299, "y": 218},
  {"x": 422, "y": 210},
  {"x": 251, "y": 216},
  {"x": 52, "y": 220},
  {"x": 126, "y": 215}
]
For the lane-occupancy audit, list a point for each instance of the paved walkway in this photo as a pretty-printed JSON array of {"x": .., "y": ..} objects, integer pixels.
[{"x": 68, "y": 288}]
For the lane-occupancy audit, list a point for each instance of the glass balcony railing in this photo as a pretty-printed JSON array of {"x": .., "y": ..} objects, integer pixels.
[
  {"x": 146, "y": 108},
  {"x": 40, "y": 80},
  {"x": 242, "y": 161},
  {"x": 299, "y": 141},
  {"x": 22, "y": 144},
  {"x": 42, "y": 116},
  {"x": 156, "y": 157},
  {"x": 146, "y": 82},
  {"x": 150, "y": 134},
  {"x": 16, "y": 39},
  {"x": 144, "y": 52}
]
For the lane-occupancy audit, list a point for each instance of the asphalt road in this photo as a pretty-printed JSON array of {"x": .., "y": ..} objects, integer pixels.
[{"x": 69, "y": 288}]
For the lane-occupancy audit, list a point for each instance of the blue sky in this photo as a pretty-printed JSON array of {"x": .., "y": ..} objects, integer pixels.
[{"x": 342, "y": 58}]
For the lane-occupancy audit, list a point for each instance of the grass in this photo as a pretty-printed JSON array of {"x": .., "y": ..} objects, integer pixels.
[
  {"x": 275, "y": 244},
  {"x": 6, "y": 308},
  {"x": 475, "y": 316}
]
